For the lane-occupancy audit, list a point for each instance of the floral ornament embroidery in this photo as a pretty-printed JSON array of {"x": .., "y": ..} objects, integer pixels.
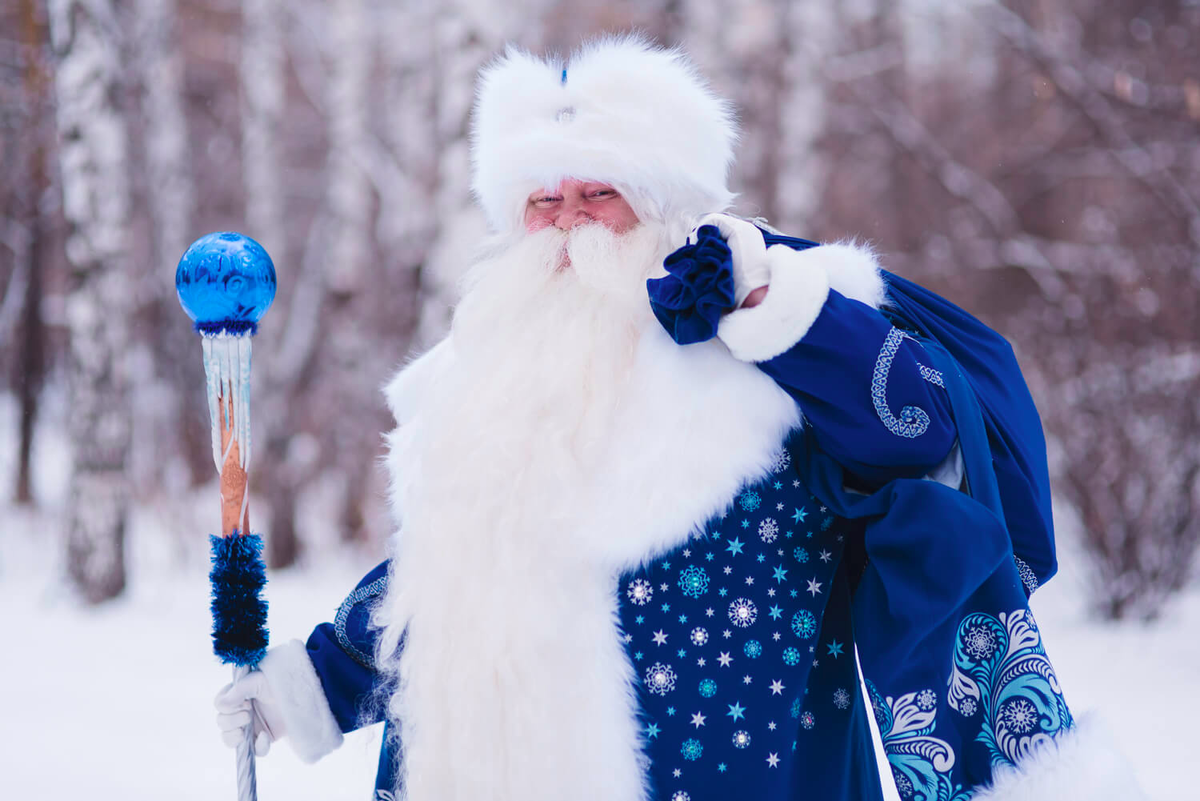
[
  {"x": 921, "y": 763},
  {"x": 1001, "y": 669},
  {"x": 697, "y": 289}
]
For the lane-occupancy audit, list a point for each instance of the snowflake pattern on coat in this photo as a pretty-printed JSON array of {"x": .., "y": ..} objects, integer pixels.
[{"x": 723, "y": 632}]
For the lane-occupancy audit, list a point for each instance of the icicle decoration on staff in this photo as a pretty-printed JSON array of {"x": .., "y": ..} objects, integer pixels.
[{"x": 226, "y": 282}]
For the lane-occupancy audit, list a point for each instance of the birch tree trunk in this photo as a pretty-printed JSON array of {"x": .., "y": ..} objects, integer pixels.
[
  {"x": 168, "y": 181},
  {"x": 465, "y": 36},
  {"x": 349, "y": 189},
  {"x": 810, "y": 37},
  {"x": 93, "y": 149},
  {"x": 262, "y": 77},
  {"x": 263, "y": 96},
  {"x": 170, "y": 195}
]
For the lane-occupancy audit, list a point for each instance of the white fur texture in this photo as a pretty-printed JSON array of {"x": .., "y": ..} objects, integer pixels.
[
  {"x": 311, "y": 728},
  {"x": 1081, "y": 765},
  {"x": 797, "y": 291},
  {"x": 630, "y": 114},
  {"x": 526, "y": 480},
  {"x": 853, "y": 271},
  {"x": 800, "y": 281}
]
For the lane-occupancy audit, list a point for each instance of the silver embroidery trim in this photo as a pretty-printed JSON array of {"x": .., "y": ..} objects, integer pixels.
[
  {"x": 913, "y": 420},
  {"x": 931, "y": 375},
  {"x": 364, "y": 593},
  {"x": 1026, "y": 572}
]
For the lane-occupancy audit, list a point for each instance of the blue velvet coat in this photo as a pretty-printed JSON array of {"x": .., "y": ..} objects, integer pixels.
[{"x": 748, "y": 639}]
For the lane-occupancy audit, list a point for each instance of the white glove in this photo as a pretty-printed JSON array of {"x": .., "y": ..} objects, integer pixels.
[
  {"x": 249, "y": 701},
  {"x": 750, "y": 267}
]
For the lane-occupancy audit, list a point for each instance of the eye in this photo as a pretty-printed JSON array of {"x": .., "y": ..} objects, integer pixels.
[
  {"x": 544, "y": 201},
  {"x": 603, "y": 194}
]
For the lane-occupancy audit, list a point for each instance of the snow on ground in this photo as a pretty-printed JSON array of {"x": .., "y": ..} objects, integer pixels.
[{"x": 115, "y": 702}]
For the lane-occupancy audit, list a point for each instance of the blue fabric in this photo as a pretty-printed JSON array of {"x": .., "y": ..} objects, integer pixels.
[
  {"x": 748, "y": 684},
  {"x": 239, "y": 611},
  {"x": 860, "y": 386},
  {"x": 342, "y": 654},
  {"x": 697, "y": 289},
  {"x": 1010, "y": 417},
  {"x": 940, "y": 604}
]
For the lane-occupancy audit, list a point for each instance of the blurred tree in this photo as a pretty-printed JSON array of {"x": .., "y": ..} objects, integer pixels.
[
  {"x": 1045, "y": 184},
  {"x": 1035, "y": 161},
  {"x": 162, "y": 168},
  {"x": 31, "y": 193},
  {"x": 86, "y": 38}
]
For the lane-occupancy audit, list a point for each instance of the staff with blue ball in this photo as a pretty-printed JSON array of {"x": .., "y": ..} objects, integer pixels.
[{"x": 226, "y": 282}]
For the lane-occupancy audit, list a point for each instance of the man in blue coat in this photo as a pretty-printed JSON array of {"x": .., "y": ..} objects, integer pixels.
[{"x": 628, "y": 568}]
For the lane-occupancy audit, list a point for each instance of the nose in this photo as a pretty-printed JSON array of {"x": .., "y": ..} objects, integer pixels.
[{"x": 571, "y": 214}]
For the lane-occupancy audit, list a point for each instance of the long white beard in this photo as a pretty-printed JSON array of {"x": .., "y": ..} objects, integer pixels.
[
  {"x": 504, "y": 616},
  {"x": 543, "y": 351}
]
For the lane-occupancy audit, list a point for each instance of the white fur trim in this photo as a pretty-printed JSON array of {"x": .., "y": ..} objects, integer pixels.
[
  {"x": 631, "y": 114},
  {"x": 853, "y": 271},
  {"x": 403, "y": 390},
  {"x": 308, "y": 722},
  {"x": 1082, "y": 764},
  {"x": 798, "y": 289},
  {"x": 800, "y": 283}
]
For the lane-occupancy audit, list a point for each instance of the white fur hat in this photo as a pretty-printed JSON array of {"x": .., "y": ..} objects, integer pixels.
[{"x": 620, "y": 110}]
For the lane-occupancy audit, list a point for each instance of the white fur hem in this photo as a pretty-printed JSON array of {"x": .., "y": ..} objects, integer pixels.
[
  {"x": 307, "y": 719},
  {"x": 798, "y": 288},
  {"x": 1081, "y": 764},
  {"x": 800, "y": 283}
]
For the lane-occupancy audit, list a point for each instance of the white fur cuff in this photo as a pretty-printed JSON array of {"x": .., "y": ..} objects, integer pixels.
[
  {"x": 307, "y": 719},
  {"x": 1082, "y": 764},
  {"x": 798, "y": 288}
]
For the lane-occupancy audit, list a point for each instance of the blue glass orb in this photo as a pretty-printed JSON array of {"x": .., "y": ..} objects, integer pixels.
[{"x": 225, "y": 280}]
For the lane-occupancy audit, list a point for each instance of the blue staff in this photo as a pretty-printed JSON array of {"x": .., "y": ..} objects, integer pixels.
[{"x": 226, "y": 282}]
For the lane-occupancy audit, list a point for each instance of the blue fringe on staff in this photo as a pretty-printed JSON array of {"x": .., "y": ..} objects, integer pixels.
[{"x": 238, "y": 609}]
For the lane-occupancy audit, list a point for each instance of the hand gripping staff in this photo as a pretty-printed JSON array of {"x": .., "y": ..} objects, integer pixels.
[{"x": 226, "y": 282}]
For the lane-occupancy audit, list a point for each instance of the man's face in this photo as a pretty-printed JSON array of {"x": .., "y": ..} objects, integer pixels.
[{"x": 576, "y": 202}]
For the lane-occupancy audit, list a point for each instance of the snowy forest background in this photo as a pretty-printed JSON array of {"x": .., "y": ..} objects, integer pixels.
[{"x": 1036, "y": 161}]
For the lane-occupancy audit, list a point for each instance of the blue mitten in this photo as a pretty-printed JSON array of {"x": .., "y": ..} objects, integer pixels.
[{"x": 697, "y": 290}]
